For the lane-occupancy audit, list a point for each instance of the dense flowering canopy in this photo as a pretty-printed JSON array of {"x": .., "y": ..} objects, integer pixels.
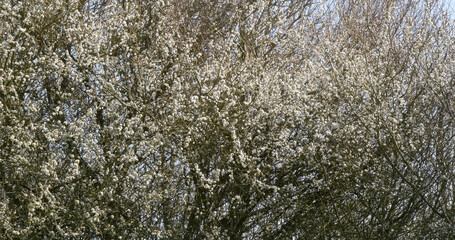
[{"x": 239, "y": 119}]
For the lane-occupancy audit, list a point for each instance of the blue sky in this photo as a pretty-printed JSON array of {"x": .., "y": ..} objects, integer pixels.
[{"x": 451, "y": 5}]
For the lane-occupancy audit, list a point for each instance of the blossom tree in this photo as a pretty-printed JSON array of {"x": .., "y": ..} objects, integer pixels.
[{"x": 198, "y": 119}]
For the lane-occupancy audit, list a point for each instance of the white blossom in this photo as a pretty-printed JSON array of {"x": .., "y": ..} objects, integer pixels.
[{"x": 200, "y": 119}]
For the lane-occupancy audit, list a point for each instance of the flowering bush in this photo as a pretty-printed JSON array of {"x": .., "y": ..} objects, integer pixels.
[{"x": 198, "y": 119}]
